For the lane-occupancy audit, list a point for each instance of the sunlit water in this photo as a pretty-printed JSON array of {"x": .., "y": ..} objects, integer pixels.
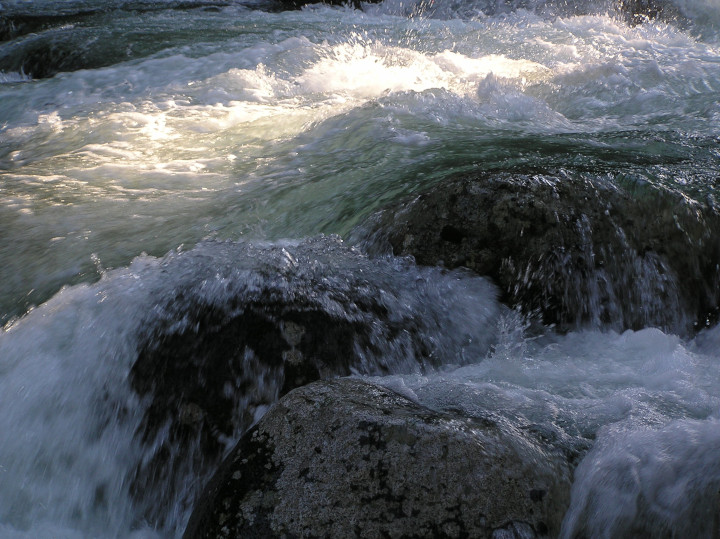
[{"x": 236, "y": 123}]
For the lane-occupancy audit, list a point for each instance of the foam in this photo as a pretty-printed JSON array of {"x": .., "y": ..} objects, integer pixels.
[
  {"x": 650, "y": 400},
  {"x": 650, "y": 481}
]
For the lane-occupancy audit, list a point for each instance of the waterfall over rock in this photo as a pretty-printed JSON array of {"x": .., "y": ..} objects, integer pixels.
[{"x": 470, "y": 247}]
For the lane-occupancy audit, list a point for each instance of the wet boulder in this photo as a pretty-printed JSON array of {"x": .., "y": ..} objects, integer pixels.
[
  {"x": 639, "y": 11},
  {"x": 246, "y": 323},
  {"x": 297, "y": 4},
  {"x": 577, "y": 249},
  {"x": 347, "y": 457}
]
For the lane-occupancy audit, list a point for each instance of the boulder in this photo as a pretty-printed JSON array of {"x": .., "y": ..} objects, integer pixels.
[
  {"x": 639, "y": 11},
  {"x": 346, "y": 458},
  {"x": 577, "y": 249},
  {"x": 246, "y": 323},
  {"x": 297, "y": 4},
  {"x": 56, "y": 39}
]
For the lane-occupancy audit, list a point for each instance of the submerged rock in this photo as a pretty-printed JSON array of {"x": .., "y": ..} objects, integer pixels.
[
  {"x": 56, "y": 40},
  {"x": 580, "y": 250},
  {"x": 15, "y": 25},
  {"x": 248, "y": 323},
  {"x": 44, "y": 55},
  {"x": 347, "y": 457}
]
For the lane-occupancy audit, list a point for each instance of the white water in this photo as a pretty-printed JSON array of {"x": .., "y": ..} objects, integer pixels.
[
  {"x": 303, "y": 122},
  {"x": 247, "y": 124},
  {"x": 649, "y": 402}
]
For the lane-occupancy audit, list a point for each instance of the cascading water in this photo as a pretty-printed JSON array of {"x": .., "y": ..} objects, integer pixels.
[
  {"x": 96, "y": 458},
  {"x": 161, "y": 158}
]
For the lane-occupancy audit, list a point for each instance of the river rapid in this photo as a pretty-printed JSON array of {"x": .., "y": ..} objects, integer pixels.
[{"x": 148, "y": 145}]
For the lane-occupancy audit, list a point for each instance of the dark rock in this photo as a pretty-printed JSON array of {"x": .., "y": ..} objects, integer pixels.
[
  {"x": 43, "y": 56},
  {"x": 44, "y": 43},
  {"x": 297, "y": 4},
  {"x": 250, "y": 323},
  {"x": 82, "y": 43},
  {"x": 639, "y": 11},
  {"x": 580, "y": 250},
  {"x": 349, "y": 458},
  {"x": 15, "y": 25}
]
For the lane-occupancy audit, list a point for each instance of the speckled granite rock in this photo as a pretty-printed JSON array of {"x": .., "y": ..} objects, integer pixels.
[
  {"x": 346, "y": 458},
  {"x": 580, "y": 249}
]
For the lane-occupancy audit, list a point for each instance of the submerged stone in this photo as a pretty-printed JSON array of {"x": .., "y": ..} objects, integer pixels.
[
  {"x": 579, "y": 250},
  {"x": 347, "y": 457},
  {"x": 43, "y": 56},
  {"x": 15, "y": 25},
  {"x": 43, "y": 43}
]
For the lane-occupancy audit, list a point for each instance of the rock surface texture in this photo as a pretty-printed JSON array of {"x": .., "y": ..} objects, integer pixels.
[
  {"x": 580, "y": 250},
  {"x": 347, "y": 458}
]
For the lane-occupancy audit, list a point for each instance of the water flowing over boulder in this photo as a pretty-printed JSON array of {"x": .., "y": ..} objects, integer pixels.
[
  {"x": 347, "y": 457},
  {"x": 578, "y": 249},
  {"x": 246, "y": 323}
]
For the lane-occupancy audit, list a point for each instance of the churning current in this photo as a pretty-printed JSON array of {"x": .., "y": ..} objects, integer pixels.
[{"x": 157, "y": 156}]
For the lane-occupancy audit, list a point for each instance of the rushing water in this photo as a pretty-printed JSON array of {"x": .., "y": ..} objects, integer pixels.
[{"x": 129, "y": 130}]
